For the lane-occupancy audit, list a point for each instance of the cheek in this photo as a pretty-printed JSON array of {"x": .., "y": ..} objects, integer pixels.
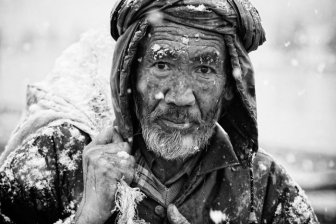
[
  {"x": 209, "y": 94},
  {"x": 148, "y": 87}
]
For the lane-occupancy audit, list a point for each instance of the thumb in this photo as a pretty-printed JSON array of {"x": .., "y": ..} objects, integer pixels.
[
  {"x": 174, "y": 216},
  {"x": 108, "y": 135}
]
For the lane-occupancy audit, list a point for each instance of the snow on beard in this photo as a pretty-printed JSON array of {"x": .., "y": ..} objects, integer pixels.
[{"x": 173, "y": 144}]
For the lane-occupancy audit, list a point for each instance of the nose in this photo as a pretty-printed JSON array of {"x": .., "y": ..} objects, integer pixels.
[{"x": 180, "y": 95}]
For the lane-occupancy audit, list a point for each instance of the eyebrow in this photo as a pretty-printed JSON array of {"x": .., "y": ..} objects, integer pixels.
[
  {"x": 207, "y": 57},
  {"x": 160, "y": 53}
]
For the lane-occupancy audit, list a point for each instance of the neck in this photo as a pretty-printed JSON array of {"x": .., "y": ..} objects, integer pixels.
[
  {"x": 165, "y": 169},
  {"x": 162, "y": 168}
]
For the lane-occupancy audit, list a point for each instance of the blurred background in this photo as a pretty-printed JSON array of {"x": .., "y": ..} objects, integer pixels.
[{"x": 295, "y": 76}]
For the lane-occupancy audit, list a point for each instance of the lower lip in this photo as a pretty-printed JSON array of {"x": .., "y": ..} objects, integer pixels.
[{"x": 180, "y": 126}]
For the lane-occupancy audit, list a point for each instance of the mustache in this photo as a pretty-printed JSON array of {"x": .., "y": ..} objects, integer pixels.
[{"x": 175, "y": 114}]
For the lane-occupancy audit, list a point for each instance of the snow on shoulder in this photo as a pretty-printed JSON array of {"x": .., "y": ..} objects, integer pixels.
[{"x": 76, "y": 91}]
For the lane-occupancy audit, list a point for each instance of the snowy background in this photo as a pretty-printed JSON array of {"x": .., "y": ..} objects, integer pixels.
[{"x": 295, "y": 75}]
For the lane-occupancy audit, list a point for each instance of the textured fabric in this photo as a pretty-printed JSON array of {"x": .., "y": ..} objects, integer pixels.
[
  {"x": 163, "y": 193},
  {"x": 27, "y": 196},
  {"x": 239, "y": 23},
  {"x": 41, "y": 181},
  {"x": 221, "y": 16},
  {"x": 76, "y": 91}
]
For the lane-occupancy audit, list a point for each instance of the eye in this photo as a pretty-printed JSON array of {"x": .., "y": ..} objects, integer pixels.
[
  {"x": 205, "y": 70},
  {"x": 163, "y": 66}
]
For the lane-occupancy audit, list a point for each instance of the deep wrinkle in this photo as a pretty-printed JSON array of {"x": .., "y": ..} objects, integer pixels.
[{"x": 189, "y": 76}]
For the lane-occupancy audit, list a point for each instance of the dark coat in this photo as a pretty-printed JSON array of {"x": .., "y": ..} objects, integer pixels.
[{"x": 42, "y": 183}]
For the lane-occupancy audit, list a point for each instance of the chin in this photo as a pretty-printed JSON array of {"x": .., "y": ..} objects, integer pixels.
[{"x": 174, "y": 145}]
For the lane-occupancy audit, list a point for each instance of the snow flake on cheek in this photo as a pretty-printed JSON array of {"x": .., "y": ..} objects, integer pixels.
[{"x": 152, "y": 88}]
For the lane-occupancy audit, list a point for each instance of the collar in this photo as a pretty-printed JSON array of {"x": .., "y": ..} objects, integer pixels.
[
  {"x": 150, "y": 159},
  {"x": 219, "y": 153}
]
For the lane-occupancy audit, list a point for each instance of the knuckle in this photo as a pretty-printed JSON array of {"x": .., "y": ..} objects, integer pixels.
[{"x": 132, "y": 160}]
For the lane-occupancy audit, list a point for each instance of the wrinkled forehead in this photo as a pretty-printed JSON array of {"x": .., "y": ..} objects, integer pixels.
[{"x": 179, "y": 39}]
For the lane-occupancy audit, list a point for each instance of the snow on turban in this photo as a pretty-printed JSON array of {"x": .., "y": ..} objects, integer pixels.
[{"x": 239, "y": 23}]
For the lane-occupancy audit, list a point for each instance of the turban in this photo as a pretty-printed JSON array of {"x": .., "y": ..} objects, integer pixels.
[{"x": 239, "y": 24}]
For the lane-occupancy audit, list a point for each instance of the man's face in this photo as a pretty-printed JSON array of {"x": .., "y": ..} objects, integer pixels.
[{"x": 180, "y": 84}]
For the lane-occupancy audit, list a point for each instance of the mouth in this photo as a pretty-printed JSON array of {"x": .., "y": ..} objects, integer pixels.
[{"x": 180, "y": 125}]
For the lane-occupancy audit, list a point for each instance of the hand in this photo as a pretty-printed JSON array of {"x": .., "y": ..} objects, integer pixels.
[
  {"x": 106, "y": 161},
  {"x": 174, "y": 216}
]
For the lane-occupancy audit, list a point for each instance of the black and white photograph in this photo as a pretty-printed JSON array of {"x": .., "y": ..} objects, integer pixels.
[{"x": 167, "y": 112}]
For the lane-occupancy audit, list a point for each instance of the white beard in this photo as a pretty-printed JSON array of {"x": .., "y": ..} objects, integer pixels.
[{"x": 174, "y": 145}]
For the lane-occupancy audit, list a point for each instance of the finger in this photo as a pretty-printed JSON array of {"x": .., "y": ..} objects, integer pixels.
[
  {"x": 125, "y": 167},
  {"x": 108, "y": 135},
  {"x": 174, "y": 216},
  {"x": 115, "y": 167},
  {"x": 111, "y": 148}
]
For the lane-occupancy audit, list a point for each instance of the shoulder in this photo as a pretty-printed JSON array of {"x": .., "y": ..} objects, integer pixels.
[
  {"x": 40, "y": 171},
  {"x": 285, "y": 199},
  {"x": 45, "y": 155},
  {"x": 264, "y": 161},
  {"x": 266, "y": 167},
  {"x": 48, "y": 144}
]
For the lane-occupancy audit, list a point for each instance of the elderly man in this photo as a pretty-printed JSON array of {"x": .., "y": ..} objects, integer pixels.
[{"x": 184, "y": 145}]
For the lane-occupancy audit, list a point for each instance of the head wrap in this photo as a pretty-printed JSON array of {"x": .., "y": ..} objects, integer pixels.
[{"x": 239, "y": 23}]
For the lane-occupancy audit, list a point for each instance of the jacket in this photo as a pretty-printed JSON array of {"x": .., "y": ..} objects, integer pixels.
[{"x": 42, "y": 183}]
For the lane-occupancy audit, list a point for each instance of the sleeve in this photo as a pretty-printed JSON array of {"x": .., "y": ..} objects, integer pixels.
[
  {"x": 41, "y": 181},
  {"x": 286, "y": 200}
]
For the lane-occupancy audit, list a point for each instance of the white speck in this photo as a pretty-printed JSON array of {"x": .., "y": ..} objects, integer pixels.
[
  {"x": 185, "y": 40},
  {"x": 331, "y": 164},
  {"x": 262, "y": 167},
  {"x": 6, "y": 218},
  {"x": 130, "y": 139},
  {"x": 237, "y": 73},
  {"x": 129, "y": 91},
  {"x": 197, "y": 36},
  {"x": 287, "y": 44},
  {"x": 123, "y": 161},
  {"x": 200, "y": 8},
  {"x": 159, "y": 96},
  {"x": 140, "y": 59},
  {"x": 66, "y": 161},
  {"x": 123, "y": 154},
  {"x": 218, "y": 216},
  {"x": 156, "y": 47},
  {"x": 294, "y": 62},
  {"x": 155, "y": 17}
]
